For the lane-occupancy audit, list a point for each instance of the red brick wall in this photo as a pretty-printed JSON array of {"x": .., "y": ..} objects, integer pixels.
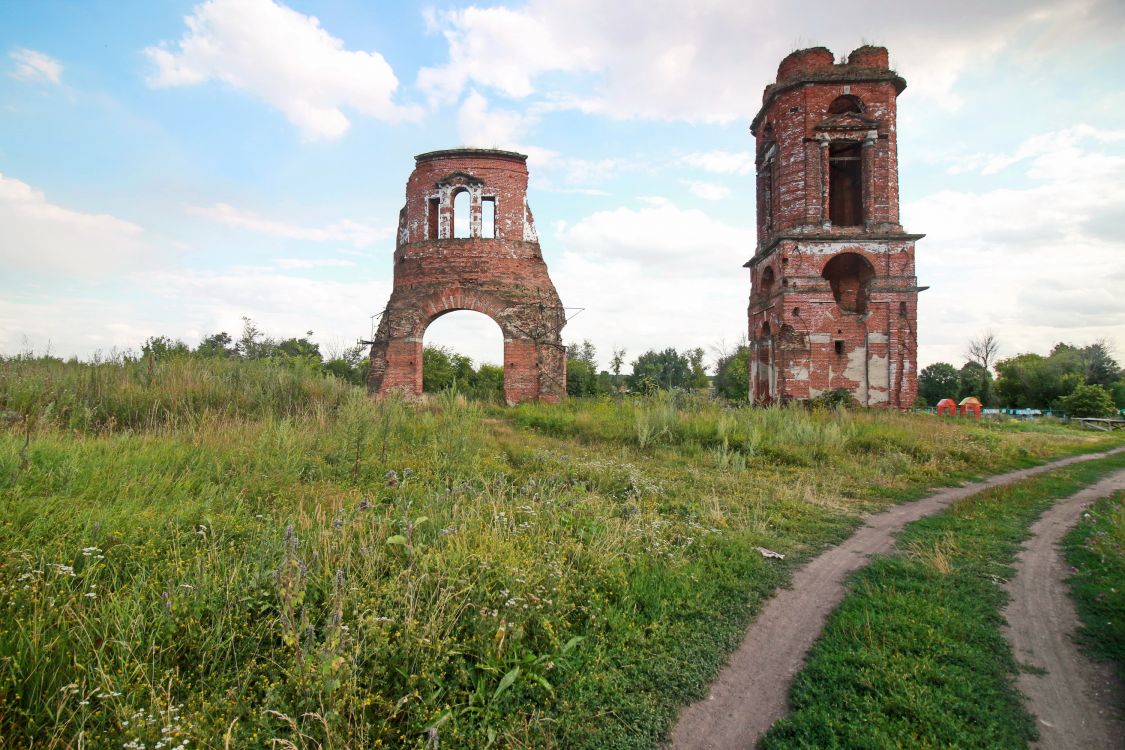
[
  {"x": 503, "y": 277},
  {"x": 799, "y": 357}
]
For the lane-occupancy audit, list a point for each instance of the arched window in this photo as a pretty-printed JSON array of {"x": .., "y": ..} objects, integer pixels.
[
  {"x": 488, "y": 218},
  {"x": 850, "y": 276},
  {"x": 767, "y": 282},
  {"x": 845, "y": 186},
  {"x": 461, "y": 214},
  {"x": 845, "y": 103}
]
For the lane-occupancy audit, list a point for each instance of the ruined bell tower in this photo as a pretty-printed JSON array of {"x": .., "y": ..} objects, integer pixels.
[
  {"x": 834, "y": 298},
  {"x": 467, "y": 241}
]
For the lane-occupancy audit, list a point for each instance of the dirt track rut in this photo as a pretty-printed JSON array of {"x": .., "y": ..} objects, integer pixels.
[
  {"x": 1076, "y": 701},
  {"x": 751, "y": 692}
]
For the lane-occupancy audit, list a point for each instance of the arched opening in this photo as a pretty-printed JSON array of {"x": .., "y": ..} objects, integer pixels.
[
  {"x": 767, "y": 283},
  {"x": 845, "y": 103},
  {"x": 488, "y": 218},
  {"x": 467, "y": 348},
  {"x": 850, "y": 276},
  {"x": 461, "y": 214},
  {"x": 845, "y": 186}
]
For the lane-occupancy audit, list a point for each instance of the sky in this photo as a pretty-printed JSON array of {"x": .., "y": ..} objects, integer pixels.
[{"x": 169, "y": 168}]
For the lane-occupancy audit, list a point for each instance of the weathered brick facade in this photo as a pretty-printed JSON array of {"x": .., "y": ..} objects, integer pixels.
[
  {"x": 492, "y": 264},
  {"x": 834, "y": 298}
]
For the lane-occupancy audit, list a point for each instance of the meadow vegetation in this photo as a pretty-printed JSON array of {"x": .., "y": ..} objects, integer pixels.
[
  {"x": 224, "y": 553},
  {"x": 1095, "y": 549}
]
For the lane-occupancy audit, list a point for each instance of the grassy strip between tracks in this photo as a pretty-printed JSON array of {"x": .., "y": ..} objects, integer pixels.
[
  {"x": 914, "y": 656},
  {"x": 1096, "y": 550}
]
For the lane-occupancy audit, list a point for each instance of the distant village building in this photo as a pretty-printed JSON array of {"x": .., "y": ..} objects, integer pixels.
[
  {"x": 467, "y": 241},
  {"x": 834, "y": 298}
]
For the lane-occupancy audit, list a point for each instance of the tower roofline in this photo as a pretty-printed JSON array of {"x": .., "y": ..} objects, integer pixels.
[
  {"x": 469, "y": 153},
  {"x": 867, "y": 64}
]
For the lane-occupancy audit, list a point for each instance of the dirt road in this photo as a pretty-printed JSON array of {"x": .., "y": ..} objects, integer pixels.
[
  {"x": 751, "y": 692},
  {"x": 1072, "y": 697}
]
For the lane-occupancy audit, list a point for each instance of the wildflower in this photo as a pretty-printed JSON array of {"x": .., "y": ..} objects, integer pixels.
[
  {"x": 391, "y": 477},
  {"x": 337, "y": 523},
  {"x": 90, "y": 594},
  {"x": 364, "y": 504}
]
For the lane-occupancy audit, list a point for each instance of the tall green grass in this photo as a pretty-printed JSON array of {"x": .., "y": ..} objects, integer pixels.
[
  {"x": 274, "y": 556},
  {"x": 1095, "y": 548},
  {"x": 146, "y": 394}
]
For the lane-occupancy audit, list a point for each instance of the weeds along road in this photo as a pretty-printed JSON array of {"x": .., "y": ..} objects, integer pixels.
[
  {"x": 1071, "y": 696},
  {"x": 751, "y": 692}
]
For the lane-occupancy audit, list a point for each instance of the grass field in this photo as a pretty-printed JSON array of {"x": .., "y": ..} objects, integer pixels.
[
  {"x": 221, "y": 554},
  {"x": 1096, "y": 550},
  {"x": 914, "y": 655}
]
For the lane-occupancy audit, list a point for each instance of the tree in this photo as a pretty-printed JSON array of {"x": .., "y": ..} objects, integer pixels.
[
  {"x": 300, "y": 348},
  {"x": 437, "y": 369},
  {"x": 253, "y": 343},
  {"x": 1088, "y": 401},
  {"x": 162, "y": 347},
  {"x": 1032, "y": 380},
  {"x": 350, "y": 365},
  {"x": 975, "y": 381},
  {"x": 217, "y": 345},
  {"x": 937, "y": 381},
  {"x": 581, "y": 369},
  {"x": 615, "y": 365},
  {"x": 698, "y": 377},
  {"x": 982, "y": 351},
  {"x": 732, "y": 374},
  {"x": 667, "y": 369},
  {"x": 488, "y": 384}
]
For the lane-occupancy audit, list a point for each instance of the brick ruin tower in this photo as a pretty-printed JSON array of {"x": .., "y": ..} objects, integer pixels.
[
  {"x": 834, "y": 298},
  {"x": 485, "y": 258}
]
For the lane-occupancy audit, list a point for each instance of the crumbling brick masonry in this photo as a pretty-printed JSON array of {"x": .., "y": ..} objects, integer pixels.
[
  {"x": 834, "y": 298},
  {"x": 483, "y": 256}
]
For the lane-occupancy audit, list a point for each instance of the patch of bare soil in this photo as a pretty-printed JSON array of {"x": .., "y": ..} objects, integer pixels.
[
  {"x": 1076, "y": 701},
  {"x": 751, "y": 692}
]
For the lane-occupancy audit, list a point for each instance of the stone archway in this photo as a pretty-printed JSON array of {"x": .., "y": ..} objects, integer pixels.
[{"x": 502, "y": 276}]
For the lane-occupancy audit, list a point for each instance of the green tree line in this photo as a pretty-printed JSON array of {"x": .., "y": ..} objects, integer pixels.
[{"x": 1079, "y": 380}]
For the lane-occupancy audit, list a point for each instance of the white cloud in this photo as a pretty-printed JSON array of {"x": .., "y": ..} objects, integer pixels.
[
  {"x": 653, "y": 277},
  {"x": 284, "y": 58},
  {"x": 292, "y": 263},
  {"x": 1038, "y": 264},
  {"x": 706, "y": 61},
  {"x": 352, "y": 232},
  {"x": 721, "y": 162},
  {"x": 190, "y": 304},
  {"x": 35, "y": 66},
  {"x": 499, "y": 48},
  {"x": 479, "y": 124},
  {"x": 41, "y": 236},
  {"x": 708, "y": 191}
]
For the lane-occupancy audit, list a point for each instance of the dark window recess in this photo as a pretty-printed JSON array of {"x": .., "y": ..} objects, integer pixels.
[
  {"x": 902, "y": 309},
  {"x": 845, "y": 188},
  {"x": 845, "y": 103},
  {"x": 850, "y": 276},
  {"x": 432, "y": 218},
  {"x": 796, "y": 312},
  {"x": 488, "y": 218},
  {"x": 767, "y": 282},
  {"x": 839, "y": 346}
]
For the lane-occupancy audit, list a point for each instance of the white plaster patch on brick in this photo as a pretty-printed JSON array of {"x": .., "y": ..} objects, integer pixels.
[
  {"x": 877, "y": 338},
  {"x": 820, "y": 338},
  {"x": 857, "y": 361}
]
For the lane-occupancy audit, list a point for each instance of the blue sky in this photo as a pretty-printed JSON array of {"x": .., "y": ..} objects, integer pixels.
[{"x": 166, "y": 168}]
